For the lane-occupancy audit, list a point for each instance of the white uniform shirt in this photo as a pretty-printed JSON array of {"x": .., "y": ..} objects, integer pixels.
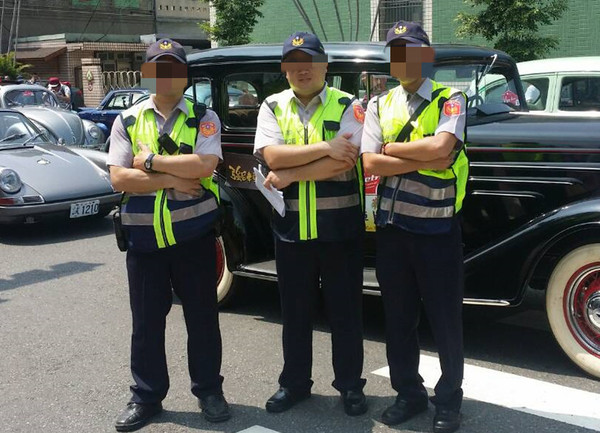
[
  {"x": 121, "y": 152},
  {"x": 372, "y": 138},
  {"x": 268, "y": 132}
]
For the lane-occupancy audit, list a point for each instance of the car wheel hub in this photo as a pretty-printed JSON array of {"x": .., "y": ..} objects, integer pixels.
[{"x": 582, "y": 305}]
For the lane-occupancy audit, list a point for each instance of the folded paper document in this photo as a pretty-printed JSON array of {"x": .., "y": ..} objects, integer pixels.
[{"x": 273, "y": 195}]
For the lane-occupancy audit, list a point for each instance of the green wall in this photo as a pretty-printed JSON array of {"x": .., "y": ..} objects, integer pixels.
[
  {"x": 578, "y": 30},
  {"x": 281, "y": 19}
]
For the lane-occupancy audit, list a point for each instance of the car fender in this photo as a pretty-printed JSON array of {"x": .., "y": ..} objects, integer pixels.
[{"x": 514, "y": 259}]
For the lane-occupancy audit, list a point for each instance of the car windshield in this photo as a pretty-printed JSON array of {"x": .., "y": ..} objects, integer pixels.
[
  {"x": 481, "y": 83},
  {"x": 15, "y": 130},
  {"x": 22, "y": 97}
]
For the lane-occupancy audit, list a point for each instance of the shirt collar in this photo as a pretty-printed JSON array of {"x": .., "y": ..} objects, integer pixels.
[
  {"x": 322, "y": 96},
  {"x": 425, "y": 89},
  {"x": 181, "y": 105}
]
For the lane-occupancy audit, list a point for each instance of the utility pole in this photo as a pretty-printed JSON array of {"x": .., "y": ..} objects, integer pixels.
[
  {"x": 17, "y": 31},
  {"x": 2, "y": 25},
  {"x": 12, "y": 26}
]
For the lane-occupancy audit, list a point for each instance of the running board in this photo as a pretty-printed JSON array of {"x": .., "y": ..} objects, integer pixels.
[{"x": 266, "y": 271}]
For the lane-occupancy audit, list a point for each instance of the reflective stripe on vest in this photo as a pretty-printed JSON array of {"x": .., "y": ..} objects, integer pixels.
[
  {"x": 423, "y": 201},
  {"x": 329, "y": 209},
  {"x": 165, "y": 217}
]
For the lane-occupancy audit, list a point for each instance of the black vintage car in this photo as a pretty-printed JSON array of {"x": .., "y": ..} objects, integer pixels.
[{"x": 531, "y": 219}]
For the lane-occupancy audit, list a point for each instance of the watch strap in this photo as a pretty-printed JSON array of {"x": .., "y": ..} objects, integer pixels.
[{"x": 148, "y": 162}]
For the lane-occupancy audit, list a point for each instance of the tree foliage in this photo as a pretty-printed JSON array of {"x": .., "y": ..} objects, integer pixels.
[
  {"x": 234, "y": 22},
  {"x": 9, "y": 67},
  {"x": 513, "y": 25}
]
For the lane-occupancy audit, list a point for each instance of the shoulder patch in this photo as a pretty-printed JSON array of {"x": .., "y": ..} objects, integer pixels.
[
  {"x": 207, "y": 128},
  {"x": 452, "y": 108},
  {"x": 359, "y": 113}
]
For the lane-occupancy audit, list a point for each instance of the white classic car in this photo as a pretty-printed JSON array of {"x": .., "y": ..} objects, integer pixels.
[{"x": 568, "y": 86}]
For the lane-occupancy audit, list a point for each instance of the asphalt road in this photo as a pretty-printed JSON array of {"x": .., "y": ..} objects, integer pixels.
[{"x": 64, "y": 353}]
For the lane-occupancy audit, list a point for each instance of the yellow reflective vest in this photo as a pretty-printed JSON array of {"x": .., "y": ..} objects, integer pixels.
[
  {"x": 163, "y": 218},
  {"x": 330, "y": 209},
  {"x": 423, "y": 201}
]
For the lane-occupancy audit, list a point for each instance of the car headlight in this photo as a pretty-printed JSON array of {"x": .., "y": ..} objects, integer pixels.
[
  {"x": 94, "y": 132},
  {"x": 10, "y": 182}
]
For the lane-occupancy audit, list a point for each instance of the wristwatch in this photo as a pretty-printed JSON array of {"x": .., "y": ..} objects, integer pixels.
[{"x": 148, "y": 162}]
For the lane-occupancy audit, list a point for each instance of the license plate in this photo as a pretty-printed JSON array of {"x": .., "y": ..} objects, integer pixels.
[{"x": 85, "y": 208}]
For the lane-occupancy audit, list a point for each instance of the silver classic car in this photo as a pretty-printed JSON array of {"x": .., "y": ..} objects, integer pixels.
[
  {"x": 40, "y": 180},
  {"x": 42, "y": 108}
]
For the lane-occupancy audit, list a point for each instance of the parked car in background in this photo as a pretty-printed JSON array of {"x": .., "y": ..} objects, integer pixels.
[
  {"x": 42, "y": 107},
  {"x": 567, "y": 86},
  {"x": 532, "y": 212},
  {"x": 40, "y": 180},
  {"x": 111, "y": 106}
]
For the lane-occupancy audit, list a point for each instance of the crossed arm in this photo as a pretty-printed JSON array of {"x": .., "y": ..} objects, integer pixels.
[
  {"x": 313, "y": 162},
  {"x": 180, "y": 172},
  {"x": 429, "y": 153}
]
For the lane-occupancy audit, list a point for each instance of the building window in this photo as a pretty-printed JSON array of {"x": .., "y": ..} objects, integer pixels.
[{"x": 392, "y": 11}]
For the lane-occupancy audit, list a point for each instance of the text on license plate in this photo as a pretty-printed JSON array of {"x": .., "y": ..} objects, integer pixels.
[{"x": 84, "y": 208}]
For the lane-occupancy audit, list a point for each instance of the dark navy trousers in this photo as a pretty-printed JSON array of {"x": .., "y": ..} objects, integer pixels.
[
  {"x": 339, "y": 267},
  {"x": 428, "y": 269},
  {"x": 188, "y": 269}
]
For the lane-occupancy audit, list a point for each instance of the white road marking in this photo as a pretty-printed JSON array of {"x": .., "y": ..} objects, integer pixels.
[
  {"x": 258, "y": 429},
  {"x": 545, "y": 399}
]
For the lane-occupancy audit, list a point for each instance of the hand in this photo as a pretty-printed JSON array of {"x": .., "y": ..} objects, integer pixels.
[
  {"x": 187, "y": 186},
  {"x": 342, "y": 149},
  {"x": 440, "y": 163},
  {"x": 278, "y": 179},
  {"x": 140, "y": 158}
]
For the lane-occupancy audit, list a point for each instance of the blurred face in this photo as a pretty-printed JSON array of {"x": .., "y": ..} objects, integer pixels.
[
  {"x": 305, "y": 73},
  {"x": 166, "y": 77},
  {"x": 407, "y": 61}
]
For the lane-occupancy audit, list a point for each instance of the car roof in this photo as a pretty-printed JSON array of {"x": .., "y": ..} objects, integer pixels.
[
  {"x": 562, "y": 64},
  {"x": 8, "y": 87},
  {"x": 337, "y": 52}
]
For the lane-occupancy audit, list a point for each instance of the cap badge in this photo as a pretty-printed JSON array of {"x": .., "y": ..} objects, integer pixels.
[
  {"x": 165, "y": 45},
  {"x": 298, "y": 41},
  {"x": 400, "y": 30}
]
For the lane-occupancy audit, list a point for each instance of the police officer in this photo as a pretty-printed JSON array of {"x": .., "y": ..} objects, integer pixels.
[
  {"x": 162, "y": 155},
  {"x": 413, "y": 138},
  {"x": 309, "y": 136}
]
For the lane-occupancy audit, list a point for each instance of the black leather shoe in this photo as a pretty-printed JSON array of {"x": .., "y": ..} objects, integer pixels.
[
  {"x": 355, "y": 402},
  {"x": 284, "y": 399},
  {"x": 214, "y": 408},
  {"x": 402, "y": 410},
  {"x": 446, "y": 421},
  {"x": 136, "y": 415}
]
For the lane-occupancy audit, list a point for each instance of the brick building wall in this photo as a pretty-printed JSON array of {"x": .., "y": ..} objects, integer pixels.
[{"x": 577, "y": 30}]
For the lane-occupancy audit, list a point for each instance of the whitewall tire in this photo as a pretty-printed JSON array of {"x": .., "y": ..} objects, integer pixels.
[
  {"x": 225, "y": 279},
  {"x": 573, "y": 306}
]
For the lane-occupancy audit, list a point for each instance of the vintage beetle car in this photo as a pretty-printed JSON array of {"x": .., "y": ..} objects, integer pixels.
[
  {"x": 532, "y": 215},
  {"x": 40, "y": 180},
  {"x": 111, "y": 106},
  {"x": 42, "y": 108}
]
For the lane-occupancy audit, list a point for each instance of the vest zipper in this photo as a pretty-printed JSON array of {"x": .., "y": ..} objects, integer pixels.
[
  {"x": 307, "y": 197},
  {"x": 162, "y": 219}
]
